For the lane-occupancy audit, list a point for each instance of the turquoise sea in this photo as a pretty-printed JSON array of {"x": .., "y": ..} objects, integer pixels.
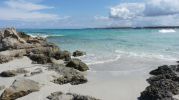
[
  {"x": 117, "y": 48},
  {"x": 119, "y": 59}
]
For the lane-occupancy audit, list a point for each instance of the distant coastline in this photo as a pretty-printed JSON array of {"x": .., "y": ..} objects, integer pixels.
[{"x": 145, "y": 27}]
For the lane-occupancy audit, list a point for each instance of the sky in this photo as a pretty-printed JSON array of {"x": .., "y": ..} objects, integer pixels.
[{"x": 88, "y": 13}]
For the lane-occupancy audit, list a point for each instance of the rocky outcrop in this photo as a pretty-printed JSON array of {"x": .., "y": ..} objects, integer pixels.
[
  {"x": 163, "y": 85},
  {"x": 69, "y": 96},
  {"x": 78, "y": 53},
  {"x": 77, "y": 64},
  {"x": 11, "y": 73},
  {"x": 68, "y": 75},
  {"x": 19, "y": 88}
]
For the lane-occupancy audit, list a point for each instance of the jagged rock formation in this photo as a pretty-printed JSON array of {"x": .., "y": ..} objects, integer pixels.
[{"x": 163, "y": 84}]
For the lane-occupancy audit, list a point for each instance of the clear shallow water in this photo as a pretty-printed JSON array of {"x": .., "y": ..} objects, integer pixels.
[
  {"x": 119, "y": 59},
  {"x": 107, "y": 45}
]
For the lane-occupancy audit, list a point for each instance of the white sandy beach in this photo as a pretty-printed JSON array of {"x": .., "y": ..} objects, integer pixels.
[{"x": 105, "y": 85}]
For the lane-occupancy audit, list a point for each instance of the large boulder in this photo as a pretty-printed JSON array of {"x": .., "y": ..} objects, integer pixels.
[
  {"x": 78, "y": 53},
  {"x": 163, "y": 84},
  {"x": 39, "y": 58},
  {"x": 65, "y": 55},
  {"x": 19, "y": 88},
  {"x": 68, "y": 75},
  {"x": 69, "y": 96},
  {"x": 77, "y": 64}
]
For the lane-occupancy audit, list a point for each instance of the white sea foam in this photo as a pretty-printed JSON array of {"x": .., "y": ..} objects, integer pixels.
[
  {"x": 92, "y": 59},
  {"x": 146, "y": 55},
  {"x": 45, "y": 35},
  {"x": 167, "y": 31}
]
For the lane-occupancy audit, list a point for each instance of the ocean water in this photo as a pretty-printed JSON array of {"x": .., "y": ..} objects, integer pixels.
[
  {"x": 119, "y": 59},
  {"x": 118, "y": 48}
]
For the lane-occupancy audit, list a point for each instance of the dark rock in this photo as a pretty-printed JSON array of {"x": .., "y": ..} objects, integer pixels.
[
  {"x": 69, "y": 96},
  {"x": 163, "y": 85},
  {"x": 77, "y": 64},
  {"x": 154, "y": 93},
  {"x": 72, "y": 79},
  {"x": 65, "y": 55},
  {"x": 19, "y": 88},
  {"x": 39, "y": 58},
  {"x": 24, "y": 36},
  {"x": 9, "y": 73},
  {"x": 161, "y": 70},
  {"x": 78, "y": 53}
]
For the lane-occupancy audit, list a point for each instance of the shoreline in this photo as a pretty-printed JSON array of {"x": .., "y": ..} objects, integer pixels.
[{"x": 34, "y": 59}]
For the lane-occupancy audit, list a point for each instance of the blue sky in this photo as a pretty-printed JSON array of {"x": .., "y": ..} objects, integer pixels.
[{"x": 88, "y": 13}]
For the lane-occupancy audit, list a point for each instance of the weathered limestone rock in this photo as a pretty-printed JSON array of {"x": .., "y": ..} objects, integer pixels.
[
  {"x": 19, "y": 88},
  {"x": 77, "y": 64}
]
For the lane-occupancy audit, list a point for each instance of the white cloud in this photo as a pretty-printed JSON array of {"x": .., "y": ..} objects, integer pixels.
[
  {"x": 126, "y": 10},
  {"x": 21, "y": 10},
  {"x": 24, "y": 5},
  {"x": 161, "y": 7},
  {"x": 151, "y": 12}
]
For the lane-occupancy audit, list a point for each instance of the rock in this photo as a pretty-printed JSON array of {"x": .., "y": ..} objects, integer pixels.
[
  {"x": 77, "y": 64},
  {"x": 154, "y": 93},
  {"x": 24, "y": 36},
  {"x": 65, "y": 55},
  {"x": 163, "y": 85},
  {"x": 19, "y": 88},
  {"x": 9, "y": 73},
  {"x": 68, "y": 75},
  {"x": 78, "y": 53},
  {"x": 161, "y": 70},
  {"x": 72, "y": 79},
  {"x": 37, "y": 71},
  {"x": 5, "y": 59},
  {"x": 69, "y": 96},
  {"x": 39, "y": 58},
  {"x": 2, "y": 87}
]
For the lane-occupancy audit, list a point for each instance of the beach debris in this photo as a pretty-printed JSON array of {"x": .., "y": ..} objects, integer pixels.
[
  {"x": 77, "y": 64},
  {"x": 20, "y": 88},
  {"x": 78, "y": 53},
  {"x": 163, "y": 85},
  {"x": 69, "y": 96}
]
